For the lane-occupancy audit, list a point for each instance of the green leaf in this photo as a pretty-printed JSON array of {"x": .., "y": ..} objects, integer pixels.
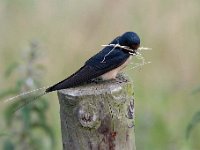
[
  {"x": 48, "y": 130},
  {"x": 36, "y": 143},
  {"x": 8, "y": 145},
  {"x": 42, "y": 105},
  {"x": 40, "y": 109},
  {"x": 10, "y": 69},
  {"x": 3, "y": 134},
  {"x": 7, "y": 92},
  {"x": 20, "y": 83},
  {"x": 195, "y": 120},
  {"x": 9, "y": 113},
  {"x": 26, "y": 114}
]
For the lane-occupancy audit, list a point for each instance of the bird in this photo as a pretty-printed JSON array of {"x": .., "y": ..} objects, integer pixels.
[{"x": 106, "y": 64}]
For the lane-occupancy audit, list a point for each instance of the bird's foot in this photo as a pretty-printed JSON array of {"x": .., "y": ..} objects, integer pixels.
[
  {"x": 121, "y": 78},
  {"x": 97, "y": 80}
]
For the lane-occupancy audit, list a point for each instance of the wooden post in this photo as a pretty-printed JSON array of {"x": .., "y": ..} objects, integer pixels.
[{"x": 98, "y": 116}]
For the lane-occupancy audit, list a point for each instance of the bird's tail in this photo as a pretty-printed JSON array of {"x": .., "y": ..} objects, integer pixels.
[
  {"x": 25, "y": 98},
  {"x": 50, "y": 89}
]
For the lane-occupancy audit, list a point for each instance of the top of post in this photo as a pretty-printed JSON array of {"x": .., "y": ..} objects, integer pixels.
[{"x": 110, "y": 86}]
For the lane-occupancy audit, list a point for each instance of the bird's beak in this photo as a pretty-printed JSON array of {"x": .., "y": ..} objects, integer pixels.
[{"x": 135, "y": 47}]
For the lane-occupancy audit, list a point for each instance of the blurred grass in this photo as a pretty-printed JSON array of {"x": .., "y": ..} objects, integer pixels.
[{"x": 72, "y": 31}]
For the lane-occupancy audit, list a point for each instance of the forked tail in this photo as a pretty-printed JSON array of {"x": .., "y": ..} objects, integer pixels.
[
  {"x": 23, "y": 99},
  {"x": 27, "y": 101}
]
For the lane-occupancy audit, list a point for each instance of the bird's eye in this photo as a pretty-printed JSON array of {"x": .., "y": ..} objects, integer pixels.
[{"x": 135, "y": 46}]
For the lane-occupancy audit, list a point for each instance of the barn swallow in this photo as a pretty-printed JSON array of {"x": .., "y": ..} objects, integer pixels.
[{"x": 106, "y": 64}]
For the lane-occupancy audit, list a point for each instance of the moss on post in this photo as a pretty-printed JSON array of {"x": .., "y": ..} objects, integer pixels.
[{"x": 98, "y": 116}]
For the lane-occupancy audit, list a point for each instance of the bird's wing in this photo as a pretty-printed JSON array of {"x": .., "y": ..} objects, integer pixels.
[
  {"x": 84, "y": 74},
  {"x": 93, "y": 68}
]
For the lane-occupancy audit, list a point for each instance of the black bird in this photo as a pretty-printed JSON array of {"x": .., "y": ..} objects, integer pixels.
[{"x": 105, "y": 64}]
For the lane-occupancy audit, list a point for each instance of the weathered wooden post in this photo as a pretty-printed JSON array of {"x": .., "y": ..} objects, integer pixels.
[{"x": 98, "y": 116}]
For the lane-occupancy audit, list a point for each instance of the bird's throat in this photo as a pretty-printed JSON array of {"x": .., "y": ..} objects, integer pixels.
[{"x": 113, "y": 73}]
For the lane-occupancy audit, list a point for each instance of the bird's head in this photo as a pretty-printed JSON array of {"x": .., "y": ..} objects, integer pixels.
[{"x": 130, "y": 39}]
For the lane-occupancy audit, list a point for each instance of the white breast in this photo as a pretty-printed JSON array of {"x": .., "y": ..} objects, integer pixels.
[{"x": 113, "y": 73}]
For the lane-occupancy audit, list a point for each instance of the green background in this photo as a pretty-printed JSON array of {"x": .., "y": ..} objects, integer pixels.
[{"x": 71, "y": 31}]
